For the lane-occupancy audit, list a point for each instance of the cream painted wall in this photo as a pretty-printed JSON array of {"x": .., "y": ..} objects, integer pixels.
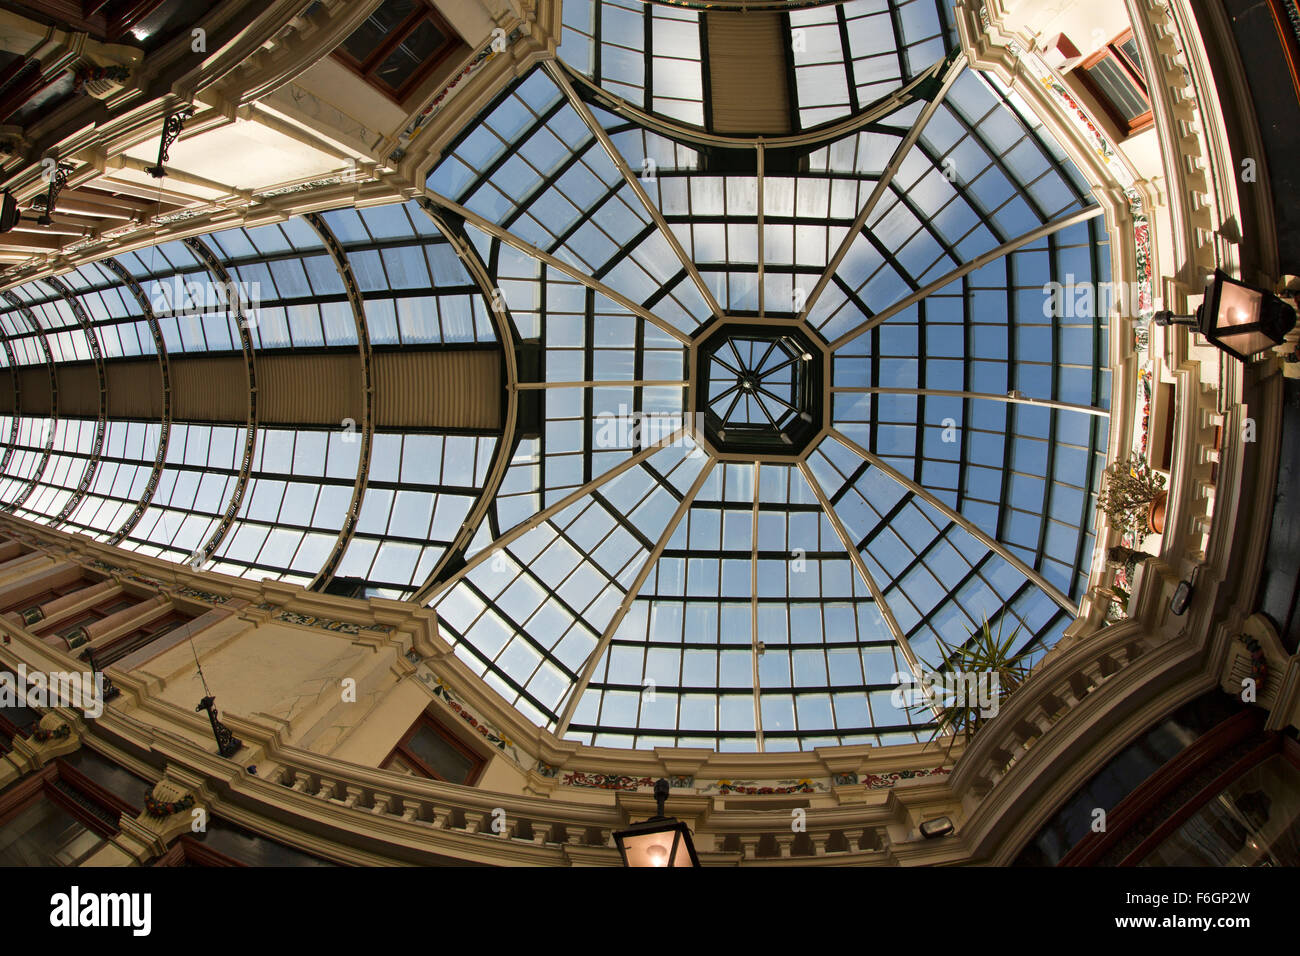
[
  {"x": 334, "y": 84},
  {"x": 1090, "y": 24},
  {"x": 471, "y": 18},
  {"x": 30, "y": 565},
  {"x": 223, "y": 155},
  {"x": 285, "y": 677},
  {"x": 502, "y": 775},
  {"x": 370, "y": 742}
]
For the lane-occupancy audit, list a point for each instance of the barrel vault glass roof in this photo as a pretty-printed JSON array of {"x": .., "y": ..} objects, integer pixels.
[
  {"x": 300, "y": 481},
  {"x": 610, "y": 578}
]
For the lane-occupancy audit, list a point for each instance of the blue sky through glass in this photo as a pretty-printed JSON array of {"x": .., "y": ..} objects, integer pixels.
[{"x": 754, "y": 623}]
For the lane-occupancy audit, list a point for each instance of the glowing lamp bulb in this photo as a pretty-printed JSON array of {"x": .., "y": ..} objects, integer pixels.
[{"x": 658, "y": 855}]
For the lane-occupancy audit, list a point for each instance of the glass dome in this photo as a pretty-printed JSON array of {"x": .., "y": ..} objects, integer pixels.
[
  {"x": 637, "y": 582},
  {"x": 790, "y": 408}
]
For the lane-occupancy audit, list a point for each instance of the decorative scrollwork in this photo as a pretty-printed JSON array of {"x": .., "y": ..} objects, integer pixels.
[
  {"x": 108, "y": 689},
  {"x": 61, "y": 732},
  {"x": 1258, "y": 660},
  {"x": 58, "y": 179},
  {"x": 176, "y": 121}
]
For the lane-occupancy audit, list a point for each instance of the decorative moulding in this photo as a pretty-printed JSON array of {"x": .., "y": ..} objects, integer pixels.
[
  {"x": 693, "y": 810},
  {"x": 841, "y": 761},
  {"x": 452, "y": 702}
]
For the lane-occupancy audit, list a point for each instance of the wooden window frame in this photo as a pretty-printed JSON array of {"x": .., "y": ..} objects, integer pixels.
[
  {"x": 1135, "y": 76},
  {"x": 49, "y": 594},
  {"x": 1290, "y": 44},
  {"x": 188, "y": 851},
  {"x": 401, "y": 749},
  {"x": 8, "y": 732},
  {"x": 7, "y": 727},
  {"x": 1134, "y": 809},
  {"x": 144, "y": 635},
  {"x": 41, "y": 785},
  {"x": 366, "y": 68}
]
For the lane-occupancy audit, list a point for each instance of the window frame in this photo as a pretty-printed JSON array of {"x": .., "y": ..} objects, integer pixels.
[
  {"x": 41, "y": 785},
  {"x": 1155, "y": 793},
  {"x": 366, "y": 69},
  {"x": 115, "y": 650},
  {"x": 1135, "y": 76},
  {"x": 187, "y": 851},
  {"x": 426, "y": 720}
]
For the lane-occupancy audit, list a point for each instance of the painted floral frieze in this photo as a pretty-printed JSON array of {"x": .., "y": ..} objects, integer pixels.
[
  {"x": 751, "y": 788},
  {"x": 457, "y": 706},
  {"x": 614, "y": 781},
  {"x": 883, "y": 781},
  {"x": 605, "y": 781}
]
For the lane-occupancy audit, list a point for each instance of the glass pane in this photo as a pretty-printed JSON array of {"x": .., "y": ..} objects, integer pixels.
[
  {"x": 1130, "y": 49},
  {"x": 410, "y": 54},
  {"x": 440, "y": 756},
  {"x": 44, "y": 835},
  {"x": 1115, "y": 84},
  {"x": 367, "y": 37},
  {"x": 1255, "y": 821}
]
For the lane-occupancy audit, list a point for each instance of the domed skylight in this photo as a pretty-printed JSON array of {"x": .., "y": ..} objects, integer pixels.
[{"x": 789, "y": 408}]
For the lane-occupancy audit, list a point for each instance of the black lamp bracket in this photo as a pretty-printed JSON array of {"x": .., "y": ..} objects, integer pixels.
[
  {"x": 661, "y": 797},
  {"x": 58, "y": 179},
  {"x": 171, "y": 132},
  {"x": 227, "y": 743}
]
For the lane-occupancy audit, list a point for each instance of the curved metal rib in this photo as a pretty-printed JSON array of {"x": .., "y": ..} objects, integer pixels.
[
  {"x": 164, "y": 366},
  {"x": 478, "y": 270},
  {"x": 12, "y": 359},
  {"x": 30, "y": 319},
  {"x": 326, "y": 573},
  {"x": 101, "y": 424},
  {"x": 218, "y": 271},
  {"x": 589, "y": 667}
]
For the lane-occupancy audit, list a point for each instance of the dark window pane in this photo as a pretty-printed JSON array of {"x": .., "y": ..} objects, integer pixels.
[
  {"x": 1130, "y": 49},
  {"x": 1116, "y": 86},
  {"x": 439, "y": 756},
  {"x": 251, "y": 848},
  {"x": 377, "y": 28},
  {"x": 44, "y": 835},
  {"x": 410, "y": 54}
]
